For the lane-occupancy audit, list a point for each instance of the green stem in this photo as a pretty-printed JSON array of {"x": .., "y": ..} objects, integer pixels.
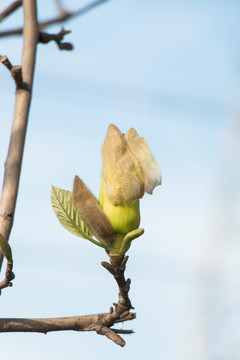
[{"x": 96, "y": 242}]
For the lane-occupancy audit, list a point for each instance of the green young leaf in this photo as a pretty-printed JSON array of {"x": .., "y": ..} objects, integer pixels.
[
  {"x": 5, "y": 248},
  {"x": 126, "y": 243},
  {"x": 62, "y": 205}
]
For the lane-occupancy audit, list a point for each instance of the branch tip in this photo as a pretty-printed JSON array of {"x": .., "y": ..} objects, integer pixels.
[
  {"x": 120, "y": 331},
  {"x": 111, "y": 335},
  {"x": 108, "y": 267}
]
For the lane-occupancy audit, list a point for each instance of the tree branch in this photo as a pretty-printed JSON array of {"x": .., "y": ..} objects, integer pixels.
[
  {"x": 63, "y": 16},
  {"x": 20, "y": 119},
  {"x": 10, "y": 9},
  {"x": 76, "y": 323},
  {"x": 100, "y": 323}
]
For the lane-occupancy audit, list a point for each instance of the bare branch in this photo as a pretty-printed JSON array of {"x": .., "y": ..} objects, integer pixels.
[
  {"x": 100, "y": 323},
  {"x": 76, "y": 323},
  {"x": 10, "y": 9},
  {"x": 20, "y": 119},
  {"x": 63, "y": 17}
]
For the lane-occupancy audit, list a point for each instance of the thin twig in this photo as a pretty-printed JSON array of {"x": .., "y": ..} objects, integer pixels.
[
  {"x": 20, "y": 119},
  {"x": 121, "y": 331},
  {"x": 45, "y": 38},
  {"x": 62, "y": 17},
  {"x": 9, "y": 276},
  {"x": 119, "y": 265},
  {"x": 5, "y": 61},
  {"x": 10, "y": 9}
]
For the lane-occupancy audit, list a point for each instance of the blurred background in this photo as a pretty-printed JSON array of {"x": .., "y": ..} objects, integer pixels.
[{"x": 171, "y": 70}]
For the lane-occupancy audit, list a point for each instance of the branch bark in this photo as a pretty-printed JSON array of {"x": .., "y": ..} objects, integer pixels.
[
  {"x": 94, "y": 322},
  {"x": 19, "y": 126}
]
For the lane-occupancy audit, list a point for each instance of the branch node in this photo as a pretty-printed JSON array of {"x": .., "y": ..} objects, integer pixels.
[
  {"x": 17, "y": 75},
  {"x": 16, "y": 71},
  {"x": 122, "y": 301}
]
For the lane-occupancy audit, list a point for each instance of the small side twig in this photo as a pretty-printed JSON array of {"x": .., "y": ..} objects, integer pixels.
[
  {"x": 45, "y": 38},
  {"x": 9, "y": 276},
  {"x": 120, "y": 331},
  {"x": 10, "y": 9},
  {"x": 16, "y": 71}
]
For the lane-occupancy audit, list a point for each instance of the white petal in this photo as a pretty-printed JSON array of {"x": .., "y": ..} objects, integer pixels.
[{"x": 151, "y": 170}]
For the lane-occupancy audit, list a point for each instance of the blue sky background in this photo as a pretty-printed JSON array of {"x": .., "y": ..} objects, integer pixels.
[{"x": 170, "y": 69}]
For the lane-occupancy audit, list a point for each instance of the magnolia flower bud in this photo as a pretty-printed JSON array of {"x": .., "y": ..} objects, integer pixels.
[{"x": 129, "y": 168}]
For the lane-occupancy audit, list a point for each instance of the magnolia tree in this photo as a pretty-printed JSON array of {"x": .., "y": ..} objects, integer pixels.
[{"x": 112, "y": 222}]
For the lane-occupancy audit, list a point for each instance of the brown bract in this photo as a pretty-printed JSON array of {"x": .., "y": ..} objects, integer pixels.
[{"x": 91, "y": 213}]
